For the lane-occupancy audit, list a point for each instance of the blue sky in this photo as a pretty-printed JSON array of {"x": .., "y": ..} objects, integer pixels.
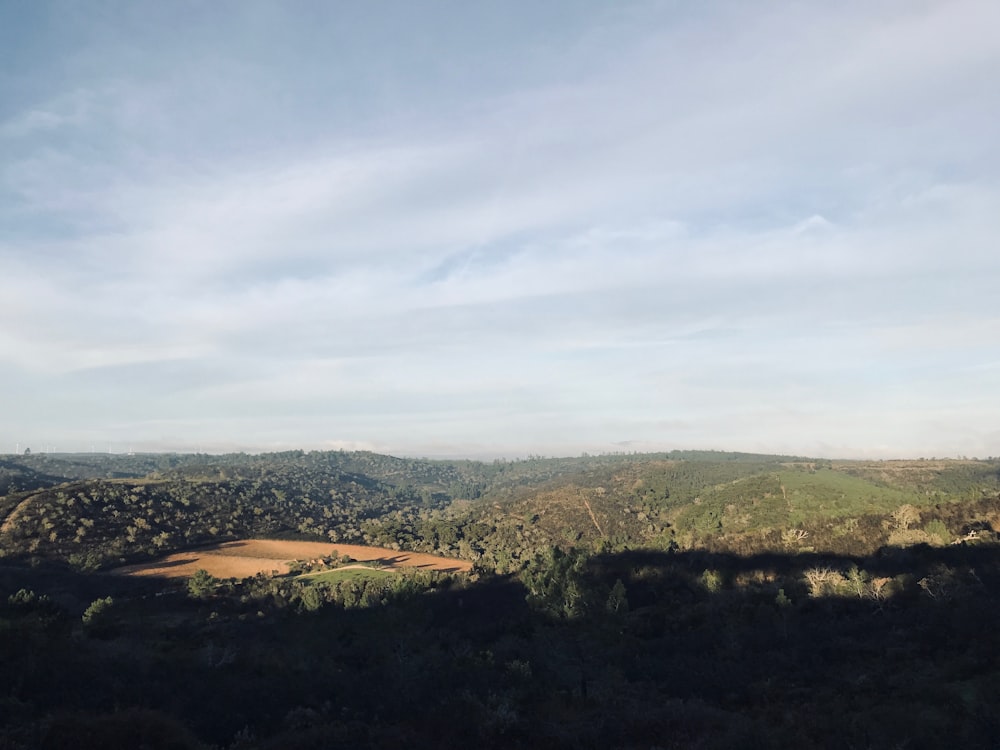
[{"x": 501, "y": 228}]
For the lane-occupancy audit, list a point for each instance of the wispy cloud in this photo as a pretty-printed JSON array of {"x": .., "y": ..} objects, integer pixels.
[{"x": 763, "y": 227}]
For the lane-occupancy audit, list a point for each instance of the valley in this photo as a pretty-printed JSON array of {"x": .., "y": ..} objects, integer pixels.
[{"x": 681, "y": 599}]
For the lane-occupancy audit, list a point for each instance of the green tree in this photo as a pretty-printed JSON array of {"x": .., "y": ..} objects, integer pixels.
[
  {"x": 556, "y": 583},
  {"x": 202, "y": 584},
  {"x": 97, "y": 618},
  {"x": 617, "y": 603},
  {"x": 311, "y": 598}
]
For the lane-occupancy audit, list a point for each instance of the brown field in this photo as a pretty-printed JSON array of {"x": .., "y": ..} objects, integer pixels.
[{"x": 252, "y": 556}]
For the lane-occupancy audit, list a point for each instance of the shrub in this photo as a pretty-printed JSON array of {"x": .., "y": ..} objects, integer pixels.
[
  {"x": 824, "y": 582},
  {"x": 202, "y": 584},
  {"x": 938, "y": 531},
  {"x": 97, "y": 617}
]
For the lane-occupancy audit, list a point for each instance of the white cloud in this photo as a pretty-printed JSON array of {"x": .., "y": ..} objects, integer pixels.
[
  {"x": 739, "y": 227},
  {"x": 66, "y": 110}
]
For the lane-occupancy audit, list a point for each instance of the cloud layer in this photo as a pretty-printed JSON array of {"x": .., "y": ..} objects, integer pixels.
[{"x": 502, "y": 229}]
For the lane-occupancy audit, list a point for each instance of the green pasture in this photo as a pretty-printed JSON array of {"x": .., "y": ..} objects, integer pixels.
[{"x": 338, "y": 575}]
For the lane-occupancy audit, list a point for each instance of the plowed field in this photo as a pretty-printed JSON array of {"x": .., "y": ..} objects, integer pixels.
[{"x": 249, "y": 557}]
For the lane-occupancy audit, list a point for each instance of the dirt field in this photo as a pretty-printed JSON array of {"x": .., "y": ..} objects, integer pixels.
[{"x": 251, "y": 556}]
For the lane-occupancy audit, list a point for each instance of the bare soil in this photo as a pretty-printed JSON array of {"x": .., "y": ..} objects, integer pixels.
[{"x": 249, "y": 557}]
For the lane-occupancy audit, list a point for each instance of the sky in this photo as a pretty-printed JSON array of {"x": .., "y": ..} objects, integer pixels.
[{"x": 501, "y": 228}]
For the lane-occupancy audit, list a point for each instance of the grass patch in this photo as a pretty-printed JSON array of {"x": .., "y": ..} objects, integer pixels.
[
  {"x": 832, "y": 494},
  {"x": 344, "y": 574},
  {"x": 788, "y": 498}
]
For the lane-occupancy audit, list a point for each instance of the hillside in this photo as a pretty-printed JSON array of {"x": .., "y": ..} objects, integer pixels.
[
  {"x": 676, "y": 600},
  {"x": 750, "y": 505},
  {"x": 96, "y": 510}
]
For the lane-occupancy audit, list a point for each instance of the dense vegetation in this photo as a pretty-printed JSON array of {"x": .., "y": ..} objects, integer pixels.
[{"x": 687, "y": 599}]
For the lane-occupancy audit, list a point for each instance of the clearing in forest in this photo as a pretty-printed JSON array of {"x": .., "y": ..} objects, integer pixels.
[{"x": 248, "y": 557}]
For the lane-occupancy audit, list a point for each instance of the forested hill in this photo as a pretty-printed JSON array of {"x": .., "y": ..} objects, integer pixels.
[
  {"x": 96, "y": 510},
  {"x": 673, "y": 600}
]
